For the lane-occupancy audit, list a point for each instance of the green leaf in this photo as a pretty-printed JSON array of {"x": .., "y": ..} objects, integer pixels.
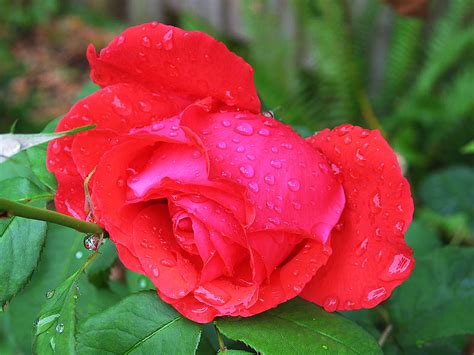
[
  {"x": 37, "y": 158},
  {"x": 468, "y": 148},
  {"x": 107, "y": 255},
  {"x": 55, "y": 327},
  {"x": 436, "y": 300},
  {"x": 11, "y": 144},
  {"x": 422, "y": 238},
  {"x": 21, "y": 240},
  {"x": 450, "y": 191},
  {"x": 299, "y": 327},
  {"x": 59, "y": 260},
  {"x": 138, "y": 282},
  {"x": 140, "y": 324},
  {"x": 22, "y": 189}
]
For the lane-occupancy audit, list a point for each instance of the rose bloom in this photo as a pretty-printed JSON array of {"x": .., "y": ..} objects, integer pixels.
[{"x": 227, "y": 210}]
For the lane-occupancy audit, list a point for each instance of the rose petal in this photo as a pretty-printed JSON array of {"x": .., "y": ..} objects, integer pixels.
[
  {"x": 114, "y": 110},
  {"x": 289, "y": 280},
  {"x": 168, "y": 59},
  {"x": 299, "y": 195},
  {"x": 273, "y": 247},
  {"x": 160, "y": 256},
  {"x": 70, "y": 197},
  {"x": 370, "y": 255}
]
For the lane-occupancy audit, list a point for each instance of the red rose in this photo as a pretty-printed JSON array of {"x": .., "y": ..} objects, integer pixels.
[{"x": 226, "y": 210}]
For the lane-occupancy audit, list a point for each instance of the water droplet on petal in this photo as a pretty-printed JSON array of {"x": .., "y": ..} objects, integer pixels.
[
  {"x": 362, "y": 248},
  {"x": 120, "y": 40},
  {"x": 146, "y": 42},
  {"x": 244, "y": 129},
  {"x": 155, "y": 271},
  {"x": 294, "y": 185},
  {"x": 330, "y": 304},
  {"x": 397, "y": 269},
  {"x": 168, "y": 40},
  {"x": 120, "y": 107},
  {"x": 222, "y": 145},
  {"x": 253, "y": 186},
  {"x": 270, "y": 180},
  {"x": 247, "y": 171},
  {"x": 373, "y": 297},
  {"x": 268, "y": 114},
  {"x": 375, "y": 203},
  {"x": 297, "y": 288},
  {"x": 168, "y": 262},
  {"x": 265, "y": 132},
  {"x": 276, "y": 163},
  {"x": 145, "y": 106},
  {"x": 213, "y": 296},
  {"x": 226, "y": 123}
]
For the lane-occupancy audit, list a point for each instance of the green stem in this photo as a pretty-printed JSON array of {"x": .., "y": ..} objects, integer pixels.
[
  {"x": 368, "y": 112},
  {"x": 220, "y": 340},
  {"x": 21, "y": 210}
]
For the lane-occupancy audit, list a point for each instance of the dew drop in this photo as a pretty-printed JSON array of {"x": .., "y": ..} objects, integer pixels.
[
  {"x": 120, "y": 183},
  {"x": 275, "y": 220},
  {"x": 91, "y": 242},
  {"x": 294, "y": 185},
  {"x": 330, "y": 304},
  {"x": 253, "y": 186},
  {"x": 50, "y": 294},
  {"x": 155, "y": 271},
  {"x": 240, "y": 149},
  {"x": 288, "y": 146},
  {"x": 222, "y": 145},
  {"x": 146, "y": 42},
  {"x": 296, "y": 205},
  {"x": 168, "y": 262},
  {"x": 78, "y": 254},
  {"x": 276, "y": 163},
  {"x": 297, "y": 288},
  {"x": 359, "y": 156},
  {"x": 375, "y": 294},
  {"x": 399, "y": 227},
  {"x": 168, "y": 40},
  {"x": 121, "y": 107},
  {"x": 213, "y": 296},
  {"x": 265, "y": 132},
  {"x": 362, "y": 248},
  {"x": 269, "y": 179},
  {"x": 244, "y": 129},
  {"x": 226, "y": 123},
  {"x": 60, "y": 328},
  {"x": 247, "y": 171},
  {"x": 397, "y": 269},
  {"x": 268, "y": 114},
  {"x": 375, "y": 203},
  {"x": 120, "y": 40},
  {"x": 145, "y": 106}
]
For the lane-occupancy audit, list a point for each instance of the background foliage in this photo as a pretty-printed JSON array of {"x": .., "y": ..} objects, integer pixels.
[{"x": 318, "y": 77}]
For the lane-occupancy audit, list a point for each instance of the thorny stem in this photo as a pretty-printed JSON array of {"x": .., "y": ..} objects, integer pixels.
[
  {"x": 220, "y": 340},
  {"x": 386, "y": 332},
  {"x": 11, "y": 208}
]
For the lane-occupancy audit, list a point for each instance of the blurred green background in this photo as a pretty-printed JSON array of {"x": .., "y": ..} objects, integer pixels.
[{"x": 407, "y": 69}]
